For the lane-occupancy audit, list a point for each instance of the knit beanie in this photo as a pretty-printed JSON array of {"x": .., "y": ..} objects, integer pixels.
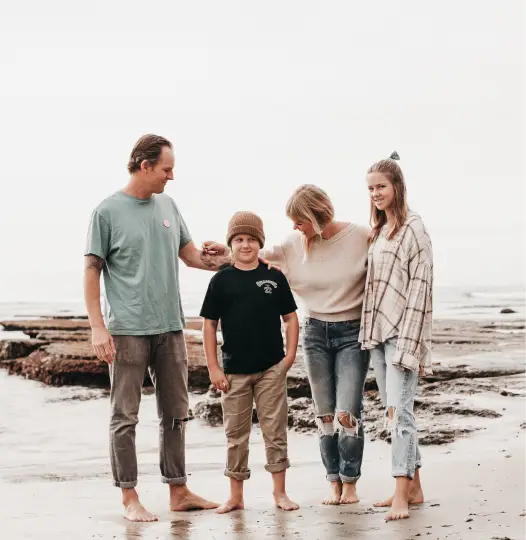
[{"x": 245, "y": 223}]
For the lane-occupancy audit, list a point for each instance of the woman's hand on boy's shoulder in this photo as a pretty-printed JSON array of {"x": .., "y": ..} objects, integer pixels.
[{"x": 270, "y": 266}]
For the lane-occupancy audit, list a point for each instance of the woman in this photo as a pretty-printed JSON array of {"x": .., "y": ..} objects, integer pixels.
[
  {"x": 325, "y": 263},
  {"x": 396, "y": 321}
]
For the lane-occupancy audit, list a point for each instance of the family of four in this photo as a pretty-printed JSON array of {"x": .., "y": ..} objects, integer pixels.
[{"x": 367, "y": 294}]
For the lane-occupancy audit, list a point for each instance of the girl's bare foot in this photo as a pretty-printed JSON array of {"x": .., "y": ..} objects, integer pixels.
[
  {"x": 336, "y": 494},
  {"x": 135, "y": 511},
  {"x": 349, "y": 495},
  {"x": 282, "y": 501},
  {"x": 182, "y": 499},
  {"x": 416, "y": 496},
  {"x": 230, "y": 505},
  {"x": 399, "y": 509}
]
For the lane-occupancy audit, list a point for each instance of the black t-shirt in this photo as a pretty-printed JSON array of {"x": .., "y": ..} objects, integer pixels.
[{"x": 249, "y": 304}]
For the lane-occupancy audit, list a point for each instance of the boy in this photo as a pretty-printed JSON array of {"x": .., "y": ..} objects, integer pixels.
[{"x": 250, "y": 301}]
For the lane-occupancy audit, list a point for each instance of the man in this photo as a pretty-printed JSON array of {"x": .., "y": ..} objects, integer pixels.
[{"x": 135, "y": 238}]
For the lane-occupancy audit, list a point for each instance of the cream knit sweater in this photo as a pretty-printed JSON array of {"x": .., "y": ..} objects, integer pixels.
[{"x": 329, "y": 280}]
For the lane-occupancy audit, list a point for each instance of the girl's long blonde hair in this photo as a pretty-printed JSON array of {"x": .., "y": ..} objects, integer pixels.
[
  {"x": 310, "y": 204},
  {"x": 389, "y": 168}
]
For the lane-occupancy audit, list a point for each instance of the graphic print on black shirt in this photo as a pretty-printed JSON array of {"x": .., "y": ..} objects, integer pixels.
[{"x": 249, "y": 304}]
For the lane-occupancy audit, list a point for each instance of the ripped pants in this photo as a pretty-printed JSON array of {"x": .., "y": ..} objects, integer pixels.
[
  {"x": 164, "y": 355},
  {"x": 397, "y": 388},
  {"x": 336, "y": 367}
]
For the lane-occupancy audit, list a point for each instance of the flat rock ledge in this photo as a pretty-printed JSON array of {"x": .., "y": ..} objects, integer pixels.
[{"x": 469, "y": 358}]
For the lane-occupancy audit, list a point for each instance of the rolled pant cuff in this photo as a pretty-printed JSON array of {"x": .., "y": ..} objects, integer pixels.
[
  {"x": 277, "y": 467},
  {"x": 238, "y": 475},
  {"x": 333, "y": 477},
  {"x": 174, "y": 481},
  {"x": 349, "y": 479},
  {"x": 125, "y": 485},
  {"x": 405, "y": 473}
]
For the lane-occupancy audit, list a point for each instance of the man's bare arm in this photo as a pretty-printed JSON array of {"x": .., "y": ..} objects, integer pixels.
[
  {"x": 100, "y": 337},
  {"x": 93, "y": 266},
  {"x": 195, "y": 258}
]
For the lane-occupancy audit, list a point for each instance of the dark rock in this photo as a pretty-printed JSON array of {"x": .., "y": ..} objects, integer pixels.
[
  {"x": 300, "y": 404},
  {"x": 507, "y": 310},
  {"x": 301, "y": 414},
  {"x": 454, "y": 409},
  {"x": 14, "y": 348},
  {"x": 210, "y": 411},
  {"x": 39, "y": 325},
  {"x": 61, "y": 335},
  {"x": 443, "y": 435},
  {"x": 59, "y": 371}
]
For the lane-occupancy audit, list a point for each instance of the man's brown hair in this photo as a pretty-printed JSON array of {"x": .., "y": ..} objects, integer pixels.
[{"x": 149, "y": 148}]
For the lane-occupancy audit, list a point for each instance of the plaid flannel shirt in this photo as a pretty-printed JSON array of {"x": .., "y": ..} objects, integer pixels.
[{"x": 398, "y": 296}]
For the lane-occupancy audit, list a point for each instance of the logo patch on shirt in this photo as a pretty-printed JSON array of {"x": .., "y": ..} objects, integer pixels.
[
  {"x": 267, "y": 285},
  {"x": 166, "y": 223}
]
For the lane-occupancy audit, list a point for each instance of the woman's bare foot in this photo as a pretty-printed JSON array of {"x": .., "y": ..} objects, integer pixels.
[
  {"x": 230, "y": 505},
  {"x": 336, "y": 494},
  {"x": 284, "y": 503},
  {"x": 349, "y": 495},
  {"x": 135, "y": 511},
  {"x": 182, "y": 499},
  {"x": 399, "y": 509}
]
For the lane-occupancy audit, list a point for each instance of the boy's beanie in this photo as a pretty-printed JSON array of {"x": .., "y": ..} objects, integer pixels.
[{"x": 245, "y": 223}]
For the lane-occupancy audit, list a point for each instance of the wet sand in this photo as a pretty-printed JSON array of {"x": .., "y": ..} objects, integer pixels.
[{"x": 55, "y": 480}]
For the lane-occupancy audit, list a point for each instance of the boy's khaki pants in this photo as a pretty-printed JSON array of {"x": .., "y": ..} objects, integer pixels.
[{"x": 269, "y": 390}]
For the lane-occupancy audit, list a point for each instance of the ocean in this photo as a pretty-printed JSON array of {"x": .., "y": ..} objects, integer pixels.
[{"x": 449, "y": 303}]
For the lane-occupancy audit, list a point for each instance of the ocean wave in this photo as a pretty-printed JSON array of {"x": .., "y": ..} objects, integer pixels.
[{"x": 517, "y": 295}]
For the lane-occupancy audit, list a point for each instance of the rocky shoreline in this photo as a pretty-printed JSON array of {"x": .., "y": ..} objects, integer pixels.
[{"x": 470, "y": 358}]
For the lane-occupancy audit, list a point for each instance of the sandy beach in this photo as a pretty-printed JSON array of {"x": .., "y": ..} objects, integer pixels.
[{"x": 55, "y": 477}]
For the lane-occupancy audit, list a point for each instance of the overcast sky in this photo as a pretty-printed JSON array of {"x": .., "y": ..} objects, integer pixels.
[{"x": 257, "y": 99}]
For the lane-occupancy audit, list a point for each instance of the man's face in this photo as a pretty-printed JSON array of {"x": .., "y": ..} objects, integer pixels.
[{"x": 157, "y": 176}]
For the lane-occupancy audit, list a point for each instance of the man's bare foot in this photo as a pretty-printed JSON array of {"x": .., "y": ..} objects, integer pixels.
[
  {"x": 135, "y": 511},
  {"x": 284, "y": 503},
  {"x": 399, "y": 510},
  {"x": 336, "y": 494},
  {"x": 231, "y": 505},
  {"x": 349, "y": 495},
  {"x": 182, "y": 499}
]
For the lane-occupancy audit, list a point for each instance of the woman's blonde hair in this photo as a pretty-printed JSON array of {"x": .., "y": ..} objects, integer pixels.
[
  {"x": 390, "y": 169},
  {"x": 310, "y": 204}
]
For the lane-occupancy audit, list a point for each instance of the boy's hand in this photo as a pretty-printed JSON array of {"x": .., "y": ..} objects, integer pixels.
[
  {"x": 219, "y": 380},
  {"x": 288, "y": 361}
]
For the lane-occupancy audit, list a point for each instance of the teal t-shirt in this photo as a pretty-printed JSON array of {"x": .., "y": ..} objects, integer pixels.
[{"x": 139, "y": 240}]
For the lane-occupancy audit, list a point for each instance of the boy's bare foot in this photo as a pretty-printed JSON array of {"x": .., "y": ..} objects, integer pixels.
[
  {"x": 349, "y": 495},
  {"x": 230, "y": 505},
  {"x": 135, "y": 511},
  {"x": 399, "y": 510},
  {"x": 336, "y": 494},
  {"x": 282, "y": 501},
  {"x": 182, "y": 499}
]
